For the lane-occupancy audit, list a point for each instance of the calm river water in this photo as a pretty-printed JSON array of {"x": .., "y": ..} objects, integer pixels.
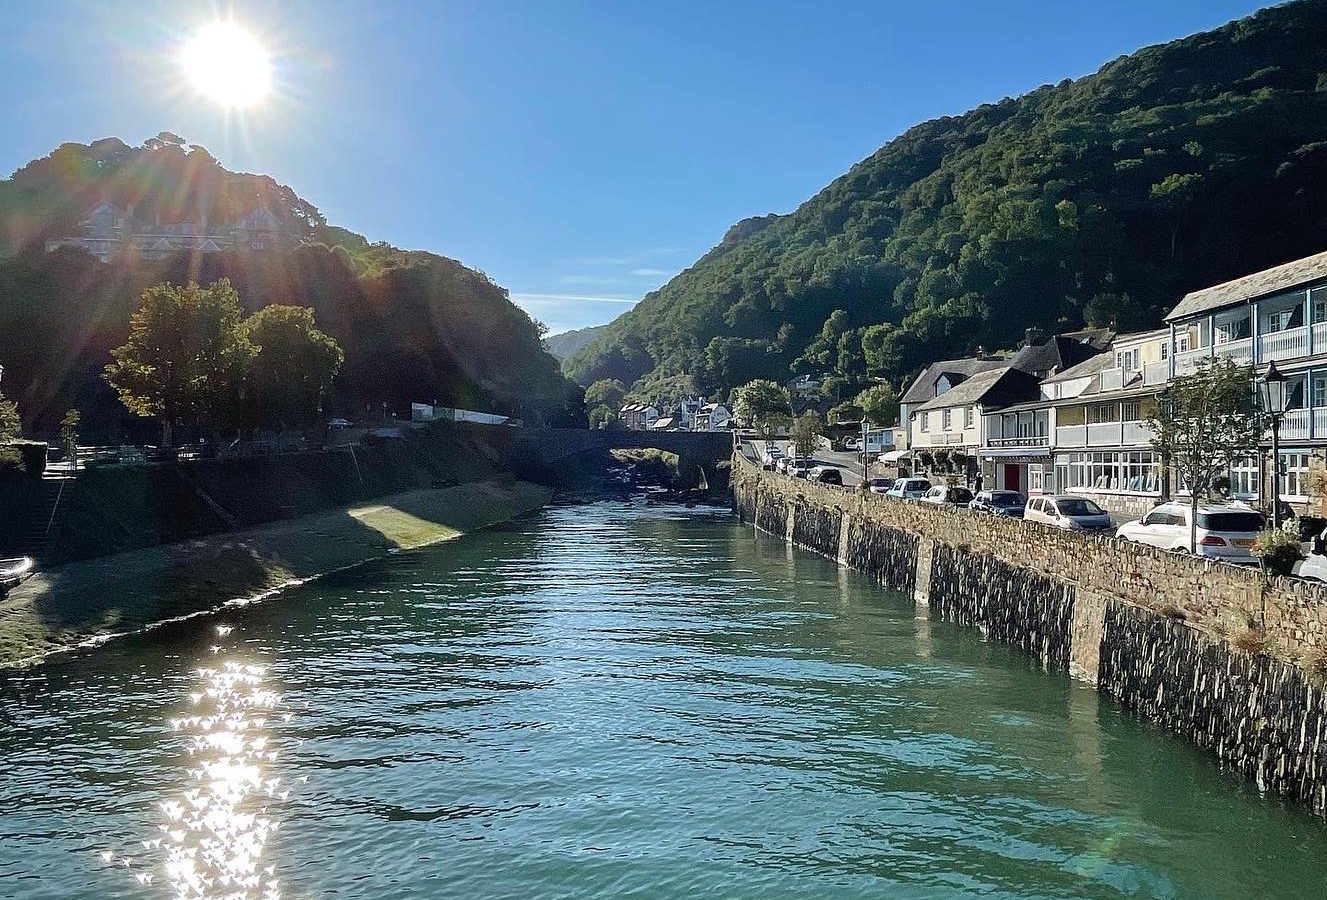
[{"x": 607, "y": 701}]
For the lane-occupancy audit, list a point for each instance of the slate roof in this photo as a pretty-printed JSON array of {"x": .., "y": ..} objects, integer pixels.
[
  {"x": 1090, "y": 366},
  {"x": 1061, "y": 351},
  {"x": 1268, "y": 281},
  {"x": 996, "y": 387},
  {"x": 923, "y": 388}
]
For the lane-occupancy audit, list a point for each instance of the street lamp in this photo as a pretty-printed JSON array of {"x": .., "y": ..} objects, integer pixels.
[{"x": 1274, "y": 395}]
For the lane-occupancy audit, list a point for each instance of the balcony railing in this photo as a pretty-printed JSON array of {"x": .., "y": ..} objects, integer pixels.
[
  {"x": 1187, "y": 360},
  {"x": 1296, "y": 424},
  {"x": 1240, "y": 351},
  {"x": 1033, "y": 440},
  {"x": 1112, "y": 379},
  {"x": 1288, "y": 344},
  {"x": 1103, "y": 434},
  {"x": 1071, "y": 436},
  {"x": 1156, "y": 373}
]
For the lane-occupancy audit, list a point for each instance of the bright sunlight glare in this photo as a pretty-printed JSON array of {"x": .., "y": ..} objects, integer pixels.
[{"x": 227, "y": 64}]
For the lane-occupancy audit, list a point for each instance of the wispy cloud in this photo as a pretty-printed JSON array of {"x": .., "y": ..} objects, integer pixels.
[{"x": 648, "y": 273}]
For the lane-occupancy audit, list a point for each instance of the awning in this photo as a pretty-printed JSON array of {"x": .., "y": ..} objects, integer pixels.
[
  {"x": 894, "y": 456},
  {"x": 989, "y": 452}
]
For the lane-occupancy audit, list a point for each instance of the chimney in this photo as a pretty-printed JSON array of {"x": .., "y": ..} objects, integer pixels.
[{"x": 1033, "y": 336}]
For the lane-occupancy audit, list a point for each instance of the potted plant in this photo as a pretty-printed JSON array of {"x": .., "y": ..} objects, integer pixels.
[{"x": 1278, "y": 551}]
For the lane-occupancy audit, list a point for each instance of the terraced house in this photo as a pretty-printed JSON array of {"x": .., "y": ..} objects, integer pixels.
[{"x": 1279, "y": 314}]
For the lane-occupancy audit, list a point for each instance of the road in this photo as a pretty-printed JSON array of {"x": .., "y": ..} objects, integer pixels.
[{"x": 850, "y": 464}]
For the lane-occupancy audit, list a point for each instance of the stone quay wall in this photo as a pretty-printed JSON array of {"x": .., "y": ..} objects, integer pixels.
[{"x": 1215, "y": 653}]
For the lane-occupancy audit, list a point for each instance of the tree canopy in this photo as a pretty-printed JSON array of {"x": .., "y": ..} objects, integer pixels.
[
  {"x": 292, "y": 366},
  {"x": 1099, "y": 200},
  {"x": 414, "y": 326}
]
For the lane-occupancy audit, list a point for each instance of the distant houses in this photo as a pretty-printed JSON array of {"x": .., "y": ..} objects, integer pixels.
[
  {"x": 1068, "y": 413},
  {"x": 688, "y": 414},
  {"x": 108, "y": 231}
]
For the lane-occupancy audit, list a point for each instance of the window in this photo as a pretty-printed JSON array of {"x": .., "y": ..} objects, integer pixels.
[
  {"x": 1244, "y": 478},
  {"x": 1165, "y": 352},
  {"x": 1131, "y": 411},
  {"x": 1319, "y": 390},
  {"x": 1295, "y": 393},
  {"x": 926, "y": 421},
  {"x": 1127, "y": 360},
  {"x": 1278, "y": 321},
  {"x": 1132, "y": 471},
  {"x": 1182, "y": 342},
  {"x": 1036, "y": 477},
  {"x": 946, "y": 419},
  {"x": 1295, "y": 474},
  {"x": 968, "y": 413},
  {"x": 1232, "y": 331},
  {"x": 1319, "y": 303}
]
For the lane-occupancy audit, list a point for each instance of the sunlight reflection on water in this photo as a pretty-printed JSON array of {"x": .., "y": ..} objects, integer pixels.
[{"x": 216, "y": 827}]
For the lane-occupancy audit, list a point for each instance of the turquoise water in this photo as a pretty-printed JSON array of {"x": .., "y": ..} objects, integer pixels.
[{"x": 608, "y": 701}]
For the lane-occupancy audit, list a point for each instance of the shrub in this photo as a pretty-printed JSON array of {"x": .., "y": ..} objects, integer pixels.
[
  {"x": 1278, "y": 551},
  {"x": 1250, "y": 640}
]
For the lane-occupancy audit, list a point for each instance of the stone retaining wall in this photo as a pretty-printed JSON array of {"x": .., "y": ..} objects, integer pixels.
[{"x": 1213, "y": 652}]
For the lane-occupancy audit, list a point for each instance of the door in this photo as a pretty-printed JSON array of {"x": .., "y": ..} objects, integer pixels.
[{"x": 1012, "y": 477}]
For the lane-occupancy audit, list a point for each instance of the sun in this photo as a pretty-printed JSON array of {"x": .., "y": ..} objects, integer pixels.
[{"x": 227, "y": 64}]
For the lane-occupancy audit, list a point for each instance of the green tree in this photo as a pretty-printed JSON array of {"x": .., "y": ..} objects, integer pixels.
[
  {"x": 11, "y": 426},
  {"x": 879, "y": 404},
  {"x": 602, "y": 415},
  {"x": 1202, "y": 425},
  {"x": 806, "y": 429},
  {"x": 758, "y": 400},
  {"x": 607, "y": 392},
  {"x": 69, "y": 436},
  {"x": 185, "y": 357},
  {"x": 845, "y": 412},
  {"x": 292, "y": 366}
]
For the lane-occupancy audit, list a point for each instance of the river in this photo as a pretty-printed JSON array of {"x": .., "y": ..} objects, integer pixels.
[{"x": 607, "y": 701}]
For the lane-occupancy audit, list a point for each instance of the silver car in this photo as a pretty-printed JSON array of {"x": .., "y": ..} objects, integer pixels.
[{"x": 1068, "y": 512}]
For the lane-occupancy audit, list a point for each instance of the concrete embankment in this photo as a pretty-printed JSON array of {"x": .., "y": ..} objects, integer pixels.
[
  {"x": 92, "y": 599},
  {"x": 1217, "y": 654}
]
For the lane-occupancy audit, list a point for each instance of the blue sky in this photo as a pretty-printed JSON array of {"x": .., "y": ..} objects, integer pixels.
[{"x": 580, "y": 153}]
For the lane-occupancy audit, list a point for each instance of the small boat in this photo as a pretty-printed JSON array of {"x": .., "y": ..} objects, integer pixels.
[{"x": 13, "y": 570}]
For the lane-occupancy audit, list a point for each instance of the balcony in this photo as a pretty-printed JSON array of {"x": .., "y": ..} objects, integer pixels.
[
  {"x": 1288, "y": 344},
  {"x": 1103, "y": 434},
  {"x": 1297, "y": 424},
  {"x": 1112, "y": 379},
  {"x": 1156, "y": 373},
  {"x": 1240, "y": 352},
  {"x": 1031, "y": 440}
]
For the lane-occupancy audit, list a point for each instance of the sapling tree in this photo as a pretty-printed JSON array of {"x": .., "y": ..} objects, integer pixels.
[{"x": 1203, "y": 424}]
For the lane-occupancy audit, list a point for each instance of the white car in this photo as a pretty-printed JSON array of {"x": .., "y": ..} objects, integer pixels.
[
  {"x": 771, "y": 457},
  {"x": 1224, "y": 531},
  {"x": 909, "y": 489},
  {"x": 1314, "y": 564},
  {"x": 852, "y": 443},
  {"x": 948, "y": 495},
  {"x": 1068, "y": 512},
  {"x": 800, "y": 468}
]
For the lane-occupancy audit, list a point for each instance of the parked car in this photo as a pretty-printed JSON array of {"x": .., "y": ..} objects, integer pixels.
[
  {"x": 1001, "y": 503},
  {"x": 948, "y": 495},
  {"x": 1224, "y": 531},
  {"x": 879, "y": 485},
  {"x": 781, "y": 465},
  {"x": 852, "y": 443},
  {"x": 800, "y": 468},
  {"x": 1314, "y": 564},
  {"x": 1068, "y": 512},
  {"x": 825, "y": 475},
  {"x": 771, "y": 458},
  {"x": 909, "y": 488}
]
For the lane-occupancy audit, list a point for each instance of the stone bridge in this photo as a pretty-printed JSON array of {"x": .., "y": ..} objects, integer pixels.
[{"x": 553, "y": 446}]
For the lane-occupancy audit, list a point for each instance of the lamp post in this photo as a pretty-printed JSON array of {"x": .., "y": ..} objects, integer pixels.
[
  {"x": 1274, "y": 395},
  {"x": 866, "y": 431}
]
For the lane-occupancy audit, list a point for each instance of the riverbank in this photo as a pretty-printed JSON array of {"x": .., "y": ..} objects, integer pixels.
[
  {"x": 1212, "y": 652},
  {"x": 91, "y": 600}
]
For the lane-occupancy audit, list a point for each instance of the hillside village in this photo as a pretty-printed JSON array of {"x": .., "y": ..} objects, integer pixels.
[{"x": 1068, "y": 414}]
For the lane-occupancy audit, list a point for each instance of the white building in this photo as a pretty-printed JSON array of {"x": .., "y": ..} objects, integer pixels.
[{"x": 108, "y": 231}]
